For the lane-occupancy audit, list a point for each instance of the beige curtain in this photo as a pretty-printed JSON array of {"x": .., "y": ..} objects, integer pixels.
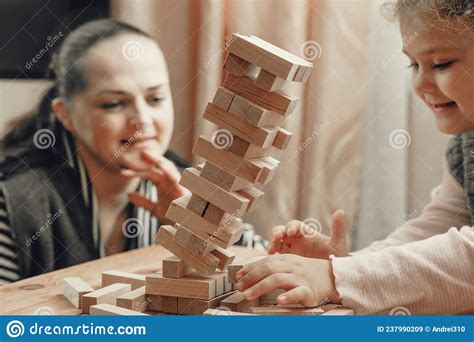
[{"x": 320, "y": 169}]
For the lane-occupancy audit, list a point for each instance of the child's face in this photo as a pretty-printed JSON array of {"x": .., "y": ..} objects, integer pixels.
[
  {"x": 127, "y": 105},
  {"x": 443, "y": 72}
]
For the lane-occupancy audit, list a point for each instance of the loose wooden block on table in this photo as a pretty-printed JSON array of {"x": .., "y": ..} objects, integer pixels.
[
  {"x": 236, "y": 266},
  {"x": 112, "y": 310},
  {"x": 74, "y": 288},
  {"x": 228, "y": 201},
  {"x": 230, "y": 232},
  {"x": 250, "y": 170},
  {"x": 113, "y": 276},
  {"x": 218, "y": 312},
  {"x": 174, "y": 267},
  {"x": 205, "y": 264},
  {"x": 193, "y": 285},
  {"x": 287, "y": 310},
  {"x": 259, "y": 136},
  {"x": 135, "y": 300},
  {"x": 269, "y": 57},
  {"x": 105, "y": 295},
  {"x": 192, "y": 242},
  {"x": 272, "y": 100},
  {"x": 238, "y": 302},
  {"x": 162, "y": 303}
]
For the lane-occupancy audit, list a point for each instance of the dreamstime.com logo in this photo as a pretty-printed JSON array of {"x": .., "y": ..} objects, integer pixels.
[{"x": 15, "y": 329}]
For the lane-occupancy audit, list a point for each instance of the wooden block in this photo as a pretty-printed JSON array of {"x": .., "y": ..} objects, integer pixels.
[
  {"x": 269, "y": 166},
  {"x": 113, "y": 276},
  {"x": 286, "y": 310},
  {"x": 226, "y": 257},
  {"x": 112, "y": 310},
  {"x": 271, "y": 298},
  {"x": 228, "y": 232},
  {"x": 302, "y": 75},
  {"x": 174, "y": 267},
  {"x": 193, "y": 285},
  {"x": 228, "y": 201},
  {"x": 105, "y": 295},
  {"x": 197, "y": 204},
  {"x": 228, "y": 286},
  {"x": 339, "y": 312},
  {"x": 185, "y": 306},
  {"x": 236, "y": 65},
  {"x": 223, "y": 98},
  {"x": 248, "y": 169},
  {"x": 274, "y": 100},
  {"x": 217, "y": 312},
  {"x": 223, "y": 179},
  {"x": 192, "y": 242},
  {"x": 282, "y": 138},
  {"x": 267, "y": 56},
  {"x": 254, "y": 196},
  {"x": 238, "y": 302},
  {"x": 255, "y": 114},
  {"x": 215, "y": 214},
  {"x": 269, "y": 82},
  {"x": 162, "y": 303},
  {"x": 235, "y": 267},
  {"x": 74, "y": 288},
  {"x": 247, "y": 150},
  {"x": 259, "y": 136},
  {"x": 205, "y": 264},
  {"x": 134, "y": 300},
  {"x": 201, "y": 305}
]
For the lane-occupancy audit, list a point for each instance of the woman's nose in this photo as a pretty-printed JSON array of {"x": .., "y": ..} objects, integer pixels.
[
  {"x": 423, "y": 83},
  {"x": 141, "y": 116}
]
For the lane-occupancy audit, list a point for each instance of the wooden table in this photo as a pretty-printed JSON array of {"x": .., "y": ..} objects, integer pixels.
[{"x": 45, "y": 291}]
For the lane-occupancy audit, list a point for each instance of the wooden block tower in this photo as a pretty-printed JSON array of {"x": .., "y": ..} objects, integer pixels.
[{"x": 248, "y": 109}]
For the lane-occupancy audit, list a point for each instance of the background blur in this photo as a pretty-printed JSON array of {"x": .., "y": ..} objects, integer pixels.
[{"x": 362, "y": 142}]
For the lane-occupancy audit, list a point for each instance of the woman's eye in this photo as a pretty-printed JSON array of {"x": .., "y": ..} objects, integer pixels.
[
  {"x": 443, "y": 66},
  {"x": 156, "y": 100},
  {"x": 413, "y": 65},
  {"x": 113, "y": 105}
]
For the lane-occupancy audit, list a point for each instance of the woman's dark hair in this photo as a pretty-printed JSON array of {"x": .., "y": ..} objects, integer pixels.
[{"x": 67, "y": 67}]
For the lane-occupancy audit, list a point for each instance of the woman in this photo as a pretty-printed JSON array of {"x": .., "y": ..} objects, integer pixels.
[{"x": 73, "y": 180}]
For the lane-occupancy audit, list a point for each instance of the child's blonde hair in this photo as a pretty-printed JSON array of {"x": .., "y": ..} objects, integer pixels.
[{"x": 443, "y": 12}]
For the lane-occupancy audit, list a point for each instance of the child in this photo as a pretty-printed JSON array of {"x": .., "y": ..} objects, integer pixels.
[
  {"x": 74, "y": 183},
  {"x": 427, "y": 266}
]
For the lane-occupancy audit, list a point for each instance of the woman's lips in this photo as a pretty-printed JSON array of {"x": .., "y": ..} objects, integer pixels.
[
  {"x": 137, "y": 142},
  {"x": 443, "y": 106}
]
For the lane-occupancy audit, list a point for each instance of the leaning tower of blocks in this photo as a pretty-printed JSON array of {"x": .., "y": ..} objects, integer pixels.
[{"x": 249, "y": 109}]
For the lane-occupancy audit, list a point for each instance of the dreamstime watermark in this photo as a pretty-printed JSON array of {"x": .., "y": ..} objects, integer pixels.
[
  {"x": 414, "y": 214},
  {"x": 51, "y": 41},
  {"x": 222, "y": 138},
  {"x": 44, "y": 138},
  {"x": 399, "y": 139},
  {"x": 44, "y": 311},
  {"x": 311, "y": 50},
  {"x": 220, "y": 52},
  {"x": 230, "y": 218},
  {"x": 400, "y": 311},
  {"x": 132, "y": 50},
  {"x": 132, "y": 228},
  {"x": 316, "y": 131},
  {"x": 407, "y": 41},
  {"x": 129, "y": 141},
  {"x": 49, "y": 221},
  {"x": 311, "y": 227}
]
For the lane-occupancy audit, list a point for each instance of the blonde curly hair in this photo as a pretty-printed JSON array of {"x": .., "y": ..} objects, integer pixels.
[{"x": 440, "y": 12}]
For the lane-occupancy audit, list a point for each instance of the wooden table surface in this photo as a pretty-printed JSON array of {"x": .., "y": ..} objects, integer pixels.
[{"x": 44, "y": 292}]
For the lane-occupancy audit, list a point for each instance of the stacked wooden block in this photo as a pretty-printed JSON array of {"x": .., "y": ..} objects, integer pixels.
[{"x": 248, "y": 110}]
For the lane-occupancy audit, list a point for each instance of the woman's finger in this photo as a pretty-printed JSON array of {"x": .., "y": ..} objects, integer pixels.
[
  {"x": 302, "y": 295},
  {"x": 140, "y": 201},
  {"x": 293, "y": 227}
]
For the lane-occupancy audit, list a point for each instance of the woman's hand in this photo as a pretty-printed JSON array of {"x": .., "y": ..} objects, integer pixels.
[
  {"x": 296, "y": 237},
  {"x": 308, "y": 282},
  {"x": 164, "y": 174}
]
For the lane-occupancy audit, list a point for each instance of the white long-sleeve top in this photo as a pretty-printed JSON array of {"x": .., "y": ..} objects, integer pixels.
[{"x": 426, "y": 266}]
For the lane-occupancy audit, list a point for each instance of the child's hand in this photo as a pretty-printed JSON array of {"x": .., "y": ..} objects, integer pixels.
[
  {"x": 298, "y": 238},
  {"x": 164, "y": 174},
  {"x": 309, "y": 282}
]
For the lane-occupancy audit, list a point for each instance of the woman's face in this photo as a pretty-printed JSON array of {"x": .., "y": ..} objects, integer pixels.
[
  {"x": 442, "y": 61},
  {"x": 126, "y": 106}
]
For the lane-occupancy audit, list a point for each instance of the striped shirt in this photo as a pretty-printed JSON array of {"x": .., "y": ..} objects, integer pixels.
[{"x": 148, "y": 224}]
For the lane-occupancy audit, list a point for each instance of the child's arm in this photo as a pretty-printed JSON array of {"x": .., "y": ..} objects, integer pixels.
[
  {"x": 432, "y": 276},
  {"x": 447, "y": 208}
]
